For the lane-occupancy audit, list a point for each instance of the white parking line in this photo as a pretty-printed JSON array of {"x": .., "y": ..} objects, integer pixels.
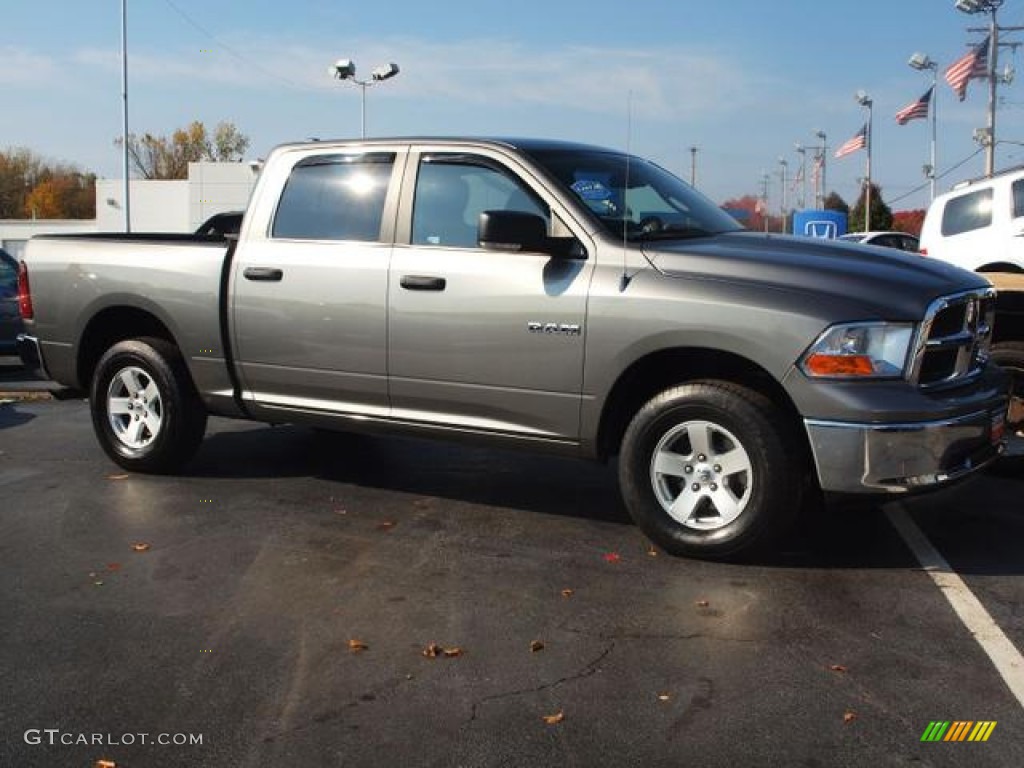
[{"x": 1004, "y": 655}]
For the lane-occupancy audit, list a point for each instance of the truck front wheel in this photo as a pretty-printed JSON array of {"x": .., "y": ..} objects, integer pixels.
[
  {"x": 145, "y": 409},
  {"x": 1010, "y": 356},
  {"x": 710, "y": 469}
]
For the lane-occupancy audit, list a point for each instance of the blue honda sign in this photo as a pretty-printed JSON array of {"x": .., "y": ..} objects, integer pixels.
[{"x": 824, "y": 224}]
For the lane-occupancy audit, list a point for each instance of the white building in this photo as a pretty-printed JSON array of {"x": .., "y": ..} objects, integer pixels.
[{"x": 156, "y": 206}]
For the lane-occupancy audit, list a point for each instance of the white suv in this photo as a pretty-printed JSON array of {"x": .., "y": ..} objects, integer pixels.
[{"x": 979, "y": 225}]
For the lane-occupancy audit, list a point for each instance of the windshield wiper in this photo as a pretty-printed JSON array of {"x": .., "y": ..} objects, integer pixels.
[{"x": 670, "y": 234}]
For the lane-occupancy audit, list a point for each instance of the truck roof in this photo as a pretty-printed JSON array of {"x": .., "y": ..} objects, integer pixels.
[{"x": 523, "y": 143}]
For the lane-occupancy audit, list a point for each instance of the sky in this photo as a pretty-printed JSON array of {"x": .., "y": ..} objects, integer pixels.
[{"x": 742, "y": 80}]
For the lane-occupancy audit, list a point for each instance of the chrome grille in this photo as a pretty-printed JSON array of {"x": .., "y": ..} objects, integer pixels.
[{"x": 953, "y": 342}]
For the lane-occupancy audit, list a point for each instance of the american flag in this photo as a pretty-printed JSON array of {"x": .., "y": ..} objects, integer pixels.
[
  {"x": 916, "y": 109},
  {"x": 859, "y": 141},
  {"x": 974, "y": 63}
]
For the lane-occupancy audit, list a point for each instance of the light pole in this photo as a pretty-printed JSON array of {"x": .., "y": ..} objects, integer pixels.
[
  {"x": 783, "y": 166},
  {"x": 345, "y": 69},
  {"x": 802, "y": 151},
  {"x": 972, "y": 7},
  {"x": 126, "y": 189},
  {"x": 922, "y": 62},
  {"x": 865, "y": 101},
  {"x": 819, "y": 178},
  {"x": 693, "y": 166}
]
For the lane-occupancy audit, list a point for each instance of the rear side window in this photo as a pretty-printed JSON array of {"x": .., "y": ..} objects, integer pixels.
[
  {"x": 1018, "y": 198},
  {"x": 967, "y": 212},
  {"x": 335, "y": 197}
]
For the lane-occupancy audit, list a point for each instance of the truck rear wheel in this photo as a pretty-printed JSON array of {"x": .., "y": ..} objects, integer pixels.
[
  {"x": 711, "y": 470},
  {"x": 145, "y": 409}
]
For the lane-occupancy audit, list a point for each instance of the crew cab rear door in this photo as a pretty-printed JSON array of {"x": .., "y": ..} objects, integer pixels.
[
  {"x": 482, "y": 339},
  {"x": 309, "y": 294}
]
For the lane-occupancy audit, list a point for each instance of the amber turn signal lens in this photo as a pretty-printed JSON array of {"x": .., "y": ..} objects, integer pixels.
[{"x": 840, "y": 365}]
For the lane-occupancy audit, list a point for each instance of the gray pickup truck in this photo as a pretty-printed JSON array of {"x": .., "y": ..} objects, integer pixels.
[{"x": 542, "y": 294}]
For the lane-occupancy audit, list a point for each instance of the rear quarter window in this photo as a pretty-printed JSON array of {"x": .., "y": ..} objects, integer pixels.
[{"x": 967, "y": 212}]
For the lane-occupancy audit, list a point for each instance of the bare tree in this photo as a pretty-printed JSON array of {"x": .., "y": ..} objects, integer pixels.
[{"x": 167, "y": 157}]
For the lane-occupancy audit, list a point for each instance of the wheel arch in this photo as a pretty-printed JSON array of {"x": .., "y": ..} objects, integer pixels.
[
  {"x": 110, "y": 326},
  {"x": 660, "y": 370}
]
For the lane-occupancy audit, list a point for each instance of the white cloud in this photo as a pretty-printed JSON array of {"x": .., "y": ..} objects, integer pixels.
[{"x": 24, "y": 67}]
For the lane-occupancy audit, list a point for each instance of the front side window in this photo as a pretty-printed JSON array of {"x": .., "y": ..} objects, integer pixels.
[
  {"x": 967, "y": 212},
  {"x": 335, "y": 197},
  {"x": 453, "y": 190}
]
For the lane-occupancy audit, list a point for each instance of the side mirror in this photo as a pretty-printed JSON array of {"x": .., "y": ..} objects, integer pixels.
[{"x": 512, "y": 231}]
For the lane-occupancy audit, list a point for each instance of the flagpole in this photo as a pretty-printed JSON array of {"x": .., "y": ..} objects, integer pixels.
[{"x": 935, "y": 109}]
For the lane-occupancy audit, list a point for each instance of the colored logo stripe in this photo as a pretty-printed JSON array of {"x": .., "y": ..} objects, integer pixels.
[
  {"x": 982, "y": 731},
  {"x": 958, "y": 730},
  {"x": 935, "y": 731}
]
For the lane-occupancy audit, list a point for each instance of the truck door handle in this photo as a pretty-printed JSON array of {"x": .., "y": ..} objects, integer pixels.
[
  {"x": 422, "y": 283},
  {"x": 266, "y": 274}
]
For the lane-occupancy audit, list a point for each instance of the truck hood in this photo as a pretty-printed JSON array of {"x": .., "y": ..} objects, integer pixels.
[{"x": 893, "y": 284}]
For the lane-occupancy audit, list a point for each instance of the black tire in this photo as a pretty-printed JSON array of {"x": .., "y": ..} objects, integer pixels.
[
  {"x": 1009, "y": 355},
  {"x": 165, "y": 419},
  {"x": 736, "y": 495}
]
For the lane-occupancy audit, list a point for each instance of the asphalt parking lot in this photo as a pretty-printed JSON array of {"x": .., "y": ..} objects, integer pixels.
[{"x": 278, "y": 600}]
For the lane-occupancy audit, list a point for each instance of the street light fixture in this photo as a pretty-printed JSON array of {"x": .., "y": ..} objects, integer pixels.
[
  {"x": 865, "y": 101},
  {"x": 922, "y": 62},
  {"x": 345, "y": 69}
]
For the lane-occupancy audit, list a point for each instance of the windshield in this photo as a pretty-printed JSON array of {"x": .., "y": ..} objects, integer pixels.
[{"x": 634, "y": 198}]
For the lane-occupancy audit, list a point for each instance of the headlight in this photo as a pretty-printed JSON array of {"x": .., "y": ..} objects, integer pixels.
[{"x": 859, "y": 351}]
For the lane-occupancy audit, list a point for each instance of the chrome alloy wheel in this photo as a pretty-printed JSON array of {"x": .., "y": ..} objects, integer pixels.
[
  {"x": 134, "y": 407},
  {"x": 702, "y": 475}
]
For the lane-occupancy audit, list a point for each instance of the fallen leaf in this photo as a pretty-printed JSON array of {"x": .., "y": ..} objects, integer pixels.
[
  {"x": 613, "y": 557},
  {"x": 105, "y": 764},
  {"x": 837, "y": 668},
  {"x": 703, "y": 603},
  {"x": 536, "y": 645},
  {"x": 117, "y": 477},
  {"x": 554, "y": 719},
  {"x": 140, "y": 546},
  {"x": 849, "y": 717},
  {"x": 387, "y": 525},
  {"x": 432, "y": 651},
  {"x": 357, "y": 646},
  {"x": 113, "y": 566},
  {"x": 568, "y": 592}
]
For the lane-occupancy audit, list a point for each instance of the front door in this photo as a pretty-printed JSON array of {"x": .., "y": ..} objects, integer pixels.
[{"x": 484, "y": 340}]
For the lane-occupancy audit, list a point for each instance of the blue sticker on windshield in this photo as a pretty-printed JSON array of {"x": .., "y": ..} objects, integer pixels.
[{"x": 591, "y": 190}]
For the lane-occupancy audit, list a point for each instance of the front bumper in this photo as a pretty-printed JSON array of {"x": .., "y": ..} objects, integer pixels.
[
  {"x": 899, "y": 458},
  {"x": 31, "y": 355}
]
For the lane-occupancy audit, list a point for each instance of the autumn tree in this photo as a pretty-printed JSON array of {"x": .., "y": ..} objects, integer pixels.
[
  {"x": 31, "y": 187},
  {"x": 167, "y": 157},
  {"x": 908, "y": 221}
]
